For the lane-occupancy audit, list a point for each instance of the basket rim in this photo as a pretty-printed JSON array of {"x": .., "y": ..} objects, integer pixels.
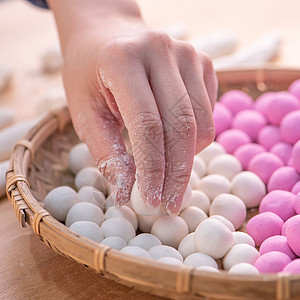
[{"x": 29, "y": 211}]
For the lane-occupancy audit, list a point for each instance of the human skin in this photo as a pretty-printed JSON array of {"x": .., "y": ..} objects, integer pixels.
[{"x": 119, "y": 72}]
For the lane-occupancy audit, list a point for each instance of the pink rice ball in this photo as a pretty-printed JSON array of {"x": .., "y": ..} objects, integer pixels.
[
  {"x": 290, "y": 127},
  {"x": 263, "y": 226},
  {"x": 297, "y": 204},
  {"x": 245, "y": 152},
  {"x": 294, "y": 88},
  {"x": 280, "y": 203},
  {"x": 272, "y": 262},
  {"x": 231, "y": 139},
  {"x": 283, "y": 151},
  {"x": 222, "y": 118},
  {"x": 296, "y": 190},
  {"x": 277, "y": 243},
  {"x": 283, "y": 178},
  {"x": 284, "y": 227},
  {"x": 261, "y": 104},
  {"x": 293, "y": 267},
  {"x": 269, "y": 136},
  {"x": 236, "y": 101},
  {"x": 293, "y": 234},
  {"x": 249, "y": 121},
  {"x": 264, "y": 164},
  {"x": 296, "y": 156},
  {"x": 282, "y": 104}
]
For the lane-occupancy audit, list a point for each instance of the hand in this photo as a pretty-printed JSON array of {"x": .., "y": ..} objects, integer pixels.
[{"x": 118, "y": 72}]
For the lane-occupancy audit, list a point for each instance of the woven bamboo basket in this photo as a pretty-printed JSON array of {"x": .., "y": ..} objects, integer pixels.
[{"x": 39, "y": 163}]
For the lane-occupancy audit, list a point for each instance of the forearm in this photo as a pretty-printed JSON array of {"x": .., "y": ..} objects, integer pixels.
[{"x": 73, "y": 17}]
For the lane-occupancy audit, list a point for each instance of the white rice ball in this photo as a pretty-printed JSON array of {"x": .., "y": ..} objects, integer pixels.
[
  {"x": 225, "y": 221},
  {"x": 114, "y": 242},
  {"x": 80, "y": 158},
  {"x": 145, "y": 241},
  {"x": 243, "y": 268},
  {"x": 110, "y": 201},
  {"x": 193, "y": 216},
  {"x": 146, "y": 222},
  {"x": 186, "y": 200},
  {"x": 59, "y": 201},
  {"x": 88, "y": 229},
  {"x": 118, "y": 227},
  {"x": 92, "y": 195},
  {"x": 159, "y": 251},
  {"x": 122, "y": 212},
  {"x": 211, "y": 151},
  {"x": 170, "y": 261},
  {"x": 186, "y": 246},
  {"x": 84, "y": 211},
  {"x": 194, "y": 180},
  {"x": 207, "y": 269},
  {"x": 213, "y": 238},
  {"x": 201, "y": 200},
  {"x": 170, "y": 230},
  {"x": 136, "y": 251},
  {"x": 242, "y": 238},
  {"x": 200, "y": 259},
  {"x": 199, "y": 166},
  {"x": 240, "y": 253}
]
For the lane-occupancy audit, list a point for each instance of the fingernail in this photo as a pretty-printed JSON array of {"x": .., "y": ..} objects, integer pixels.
[
  {"x": 173, "y": 205},
  {"x": 153, "y": 198}
]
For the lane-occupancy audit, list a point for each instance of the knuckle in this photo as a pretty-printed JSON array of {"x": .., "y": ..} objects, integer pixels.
[
  {"x": 188, "y": 51},
  {"x": 145, "y": 121},
  {"x": 206, "y": 61},
  {"x": 185, "y": 126},
  {"x": 159, "y": 39}
]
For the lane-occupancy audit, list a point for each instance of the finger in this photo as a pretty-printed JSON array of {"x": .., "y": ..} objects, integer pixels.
[
  {"x": 135, "y": 101},
  {"x": 98, "y": 128},
  {"x": 179, "y": 130},
  {"x": 201, "y": 84}
]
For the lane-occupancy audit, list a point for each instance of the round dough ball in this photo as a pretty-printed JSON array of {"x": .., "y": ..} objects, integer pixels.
[
  {"x": 211, "y": 151},
  {"x": 193, "y": 216},
  {"x": 207, "y": 269},
  {"x": 283, "y": 151},
  {"x": 272, "y": 262},
  {"x": 160, "y": 251},
  {"x": 296, "y": 190},
  {"x": 214, "y": 185},
  {"x": 296, "y": 156},
  {"x": 297, "y": 203},
  {"x": 244, "y": 269},
  {"x": 59, "y": 201},
  {"x": 242, "y": 238},
  {"x": 84, "y": 211},
  {"x": 200, "y": 200},
  {"x": 281, "y": 105},
  {"x": 139, "y": 205},
  {"x": 146, "y": 222},
  {"x": 91, "y": 176},
  {"x": 249, "y": 121},
  {"x": 88, "y": 229},
  {"x": 236, "y": 101},
  {"x": 240, "y": 253},
  {"x": 186, "y": 246},
  {"x": 225, "y": 221},
  {"x": 226, "y": 165},
  {"x": 264, "y": 164},
  {"x": 170, "y": 230},
  {"x": 289, "y": 127},
  {"x": 80, "y": 158},
  {"x": 194, "y": 180},
  {"x": 200, "y": 259},
  {"x": 199, "y": 166},
  {"x": 264, "y": 225},
  {"x": 136, "y": 251},
  {"x": 262, "y": 103},
  {"x": 293, "y": 234},
  {"x": 122, "y": 212},
  {"x": 230, "y": 207},
  {"x": 118, "y": 227},
  {"x": 213, "y": 238},
  {"x": 110, "y": 201},
  {"x": 294, "y": 88},
  {"x": 91, "y": 194},
  {"x": 186, "y": 200},
  {"x": 145, "y": 241},
  {"x": 249, "y": 187},
  {"x": 269, "y": 136},
  {"x": 232, "y": 139},
  {"x": 293, "y": 267},
  {"x": 245, "y": 153},
  {"x": 280, "y": 203},
  {"x": 222, "y": 118},
  {"x": 170, "y": 261},
  {"x": 277, "y": 243},
  {"x": 114, "y": 242}
]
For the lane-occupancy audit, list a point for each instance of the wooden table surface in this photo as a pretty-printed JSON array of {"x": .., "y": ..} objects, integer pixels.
[{"x": 30, "y": 270}]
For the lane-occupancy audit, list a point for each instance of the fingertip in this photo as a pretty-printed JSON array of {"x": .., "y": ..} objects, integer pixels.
[
  {"x": 153, "y": 197},
  {"x": 173, "y": 205}
]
